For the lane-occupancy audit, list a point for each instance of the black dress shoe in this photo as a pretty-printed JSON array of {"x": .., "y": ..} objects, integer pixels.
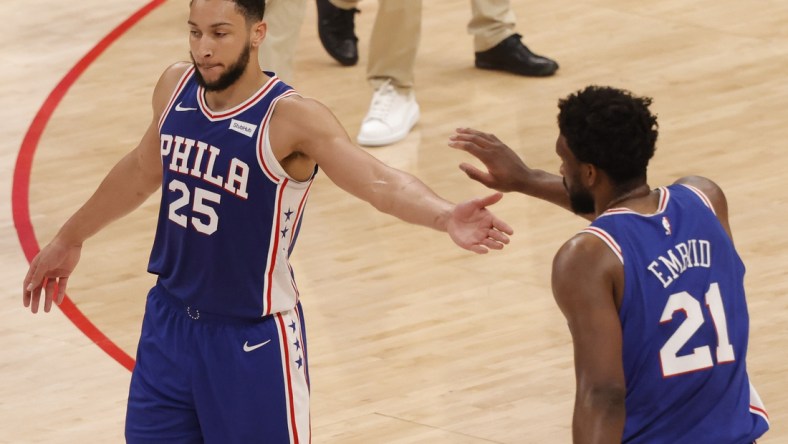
[
  {"x": 336, "y": 28},
  {"x": 512, "y": 56}
]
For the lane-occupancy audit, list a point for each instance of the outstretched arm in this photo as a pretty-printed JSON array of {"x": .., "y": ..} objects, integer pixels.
[
  {"x": 306, "y": 127},
  {"x": 132, "y": 180},
  {"x": 506, "y": 171}
]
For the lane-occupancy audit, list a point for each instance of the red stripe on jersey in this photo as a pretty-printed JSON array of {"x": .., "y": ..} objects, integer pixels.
[
  {"x": 272, "y": 259},
  {"x": 186, "y": 75},
  {"x": 759, "y": 411},
  {"x": 664, "y": 196},
  {"x": 285, "y": 346},
  {"x": 702, "y": 196},
  {"x": 608, "y": 239},
  {"x": 240, "y": 108}
]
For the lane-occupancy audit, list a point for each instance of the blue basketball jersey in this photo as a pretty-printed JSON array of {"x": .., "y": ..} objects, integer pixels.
[
  {"x": 229, "y": 215},
  {"x": 685, "y": 324}
]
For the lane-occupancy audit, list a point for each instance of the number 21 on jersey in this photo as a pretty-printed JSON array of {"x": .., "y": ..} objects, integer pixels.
[{"x": 700, "y": 358}]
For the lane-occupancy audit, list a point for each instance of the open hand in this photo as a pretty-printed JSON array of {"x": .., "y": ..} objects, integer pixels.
[
  {"x": 49, "y": 271},
  {"x": 505, "y": 170},
  {"x": 473, "y": 227}
]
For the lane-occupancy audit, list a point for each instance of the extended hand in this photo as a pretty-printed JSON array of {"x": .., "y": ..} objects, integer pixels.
[
  {"x": 505, "y": 170},
  {"x": 473, "y": 227},
  {"x": 49, "y": 271}
]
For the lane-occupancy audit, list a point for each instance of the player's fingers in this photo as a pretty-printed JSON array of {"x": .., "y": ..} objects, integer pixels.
[
  {"x": 478, "y": 249},
  {"x": 492, "y": 199},
  {"x": 473, "y": 133},
  {"x": 467, "y": 144},
  {"x": 35, "y": 297},
  {"x": 492, "y": 244},
  {"x": 35, "y": 276},
  {"x": 502, "y": 226},
  {"x": 61, "y": 290},
  {"x": 49, "y": 290},
  {"x": 498, "y": 236},
  {"x": 476, "y": 174}
]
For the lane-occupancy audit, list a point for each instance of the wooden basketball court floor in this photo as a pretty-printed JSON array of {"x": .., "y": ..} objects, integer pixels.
[{"x": 411, "y": 339}]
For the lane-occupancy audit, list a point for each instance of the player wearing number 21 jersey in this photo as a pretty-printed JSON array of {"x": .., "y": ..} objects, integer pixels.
[
  {"x": 684, "y": 323},
  {"x": 652, "y": 290}
]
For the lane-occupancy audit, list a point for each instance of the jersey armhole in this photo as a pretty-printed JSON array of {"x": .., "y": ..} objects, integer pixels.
[
  {"x": 702, "y": 196},
  {"x": 607, "y": 239},
  {"x": 266, "y": 159}
]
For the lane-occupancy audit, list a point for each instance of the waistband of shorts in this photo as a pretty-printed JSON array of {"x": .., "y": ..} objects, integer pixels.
[{"x": 194, "y": 313}]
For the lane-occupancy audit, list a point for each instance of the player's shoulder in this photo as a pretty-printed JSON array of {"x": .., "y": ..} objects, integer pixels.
[
  {"x": 705, "y": 187},
  {"x": 583, "y": 250},
  {"x": 303, "y": 114},
  {"x": 298, "y": 105},
  {"x": 172, "y": 75},
  {"x": 168, "y": 82}
]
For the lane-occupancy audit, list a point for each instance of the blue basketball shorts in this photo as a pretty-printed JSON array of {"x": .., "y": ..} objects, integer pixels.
[{"x": 205, "y": 379}]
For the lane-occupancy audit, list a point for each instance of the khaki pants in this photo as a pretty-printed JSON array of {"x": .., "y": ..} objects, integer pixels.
[{"x": 395, "y": 36}]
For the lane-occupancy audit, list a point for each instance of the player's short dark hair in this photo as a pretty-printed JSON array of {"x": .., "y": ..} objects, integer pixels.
[
  {"x": 252, "y": 10},
  {"x": 611, "y": 129}
]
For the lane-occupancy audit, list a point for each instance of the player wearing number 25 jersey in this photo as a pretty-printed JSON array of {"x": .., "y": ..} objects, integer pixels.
[
  {"x": 684, "y": 324},
  {"x": 225, "y": 195}
]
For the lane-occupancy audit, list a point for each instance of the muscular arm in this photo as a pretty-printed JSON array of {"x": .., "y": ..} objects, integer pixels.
[
  {"x": 132, "y": 180},
  {"x": 506, "y": 171},
  {"x": 307, "y": 128},
  {"x": 586, "y": 278}
]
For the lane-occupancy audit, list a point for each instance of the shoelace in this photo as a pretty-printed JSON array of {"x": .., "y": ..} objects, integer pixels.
[{"x": 382, "y": 101}]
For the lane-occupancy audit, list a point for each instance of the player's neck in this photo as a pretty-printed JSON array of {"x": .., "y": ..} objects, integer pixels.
[
  {"x": 627, "y": 197},
  {"x": 249, "y": 83}
]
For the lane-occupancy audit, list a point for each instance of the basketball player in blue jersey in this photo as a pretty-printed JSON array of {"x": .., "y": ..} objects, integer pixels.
[
  {"x": 222, "y": 356},
  {"x": 652, "y": 290}
]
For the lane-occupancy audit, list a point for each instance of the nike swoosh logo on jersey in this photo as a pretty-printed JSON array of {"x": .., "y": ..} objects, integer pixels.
[
  {"x": 178, "y": 107},
  {"x": 248, "y": 348}
]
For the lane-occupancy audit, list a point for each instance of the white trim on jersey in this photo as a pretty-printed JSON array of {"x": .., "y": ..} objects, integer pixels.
[
  {"x": 214, "y": 116},
  {"x": 296, "y": 389},
  {"x": 181, "y": 83},
  {"x": 279, "y": 291},
  {"x": 756, "y": 405},
  {"x": 607, "y": 239},
  {"x": 265, "y": 156},
  {"x": 702, "y": 196},
  {"x": 664, "y": 197}
]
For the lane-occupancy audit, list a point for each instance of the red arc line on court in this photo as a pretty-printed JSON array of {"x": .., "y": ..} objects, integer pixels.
[{"x": 20, "y": 205}]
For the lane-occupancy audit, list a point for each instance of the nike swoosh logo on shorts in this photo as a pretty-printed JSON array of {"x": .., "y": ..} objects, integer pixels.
[
  {"x": 248, "y": 348},
  {"x": 178, "y": 107}
]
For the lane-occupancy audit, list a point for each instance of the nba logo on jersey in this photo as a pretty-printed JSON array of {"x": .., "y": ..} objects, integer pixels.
[{"x": 666, "y": 224}]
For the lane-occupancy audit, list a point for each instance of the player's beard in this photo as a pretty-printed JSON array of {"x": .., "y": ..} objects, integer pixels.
[
  {"x": 581, "y": 201},
  {"x": 229, "y": 76}
]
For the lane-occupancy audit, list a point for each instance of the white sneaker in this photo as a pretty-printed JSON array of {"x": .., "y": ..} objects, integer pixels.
[{"x": 390, "y": 117}]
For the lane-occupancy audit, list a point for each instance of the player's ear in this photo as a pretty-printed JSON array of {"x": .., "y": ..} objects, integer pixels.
[
  {"x": 589, "y": 174},
  {"x": 259, "y": 31}
]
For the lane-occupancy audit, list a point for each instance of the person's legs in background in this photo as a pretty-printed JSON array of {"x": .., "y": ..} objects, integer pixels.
[
  {"x": 496, "y": 44},
  {"x": 284, "y": 18},
  {"x": 336, "y": 28},
  {"x": 390, "y": 70}
]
